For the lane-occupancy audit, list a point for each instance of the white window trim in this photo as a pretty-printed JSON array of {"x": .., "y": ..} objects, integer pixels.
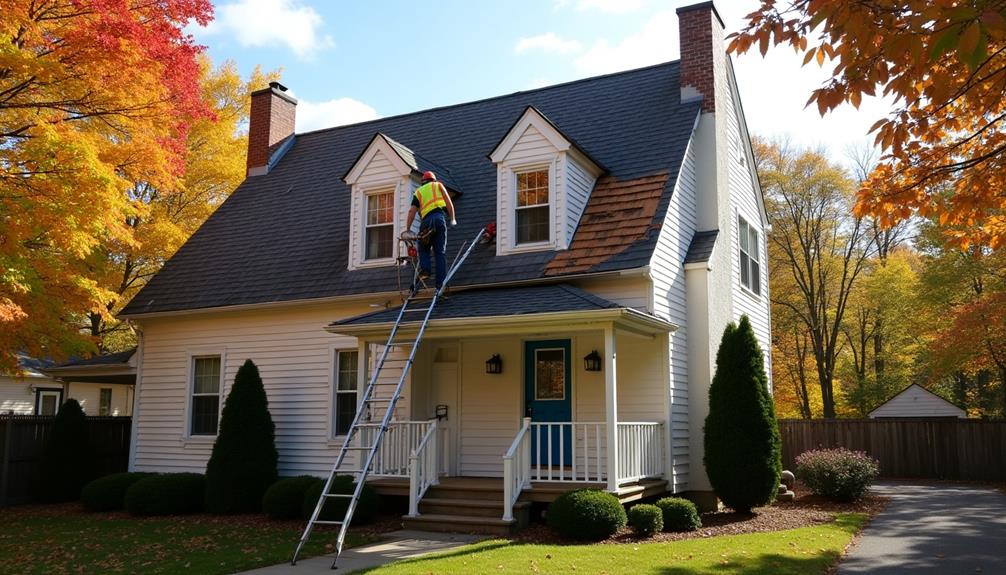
[
  {"x": 746, "y": 289},
  {"x": 334, "y": 385},
  {"x": 512, "y": 170},
  {"x": 358, "y": 223},
  {"x": 364, "y": 226},
  {"x": 187, "y": 436}
]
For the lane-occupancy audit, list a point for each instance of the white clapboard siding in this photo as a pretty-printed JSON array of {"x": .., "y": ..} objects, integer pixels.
[
  {"x": 917, "y": 401},
  {"x": 744, "y": 203},
  {"x": 630, "y": 291},
  {"x": 16, "y": 394},
  {"x": 669, "y": 301},
  {"x": 295, "y": 358},
  {"x": 579, "y": 183}
]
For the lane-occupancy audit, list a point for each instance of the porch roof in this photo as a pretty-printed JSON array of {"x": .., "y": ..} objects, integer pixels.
[{"x": 527, "y": 303}]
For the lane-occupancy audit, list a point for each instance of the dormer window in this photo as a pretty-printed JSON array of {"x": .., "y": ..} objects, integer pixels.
[
  {"x": 532, "y": 215},
  {"x": 543, "y": 183},
  {"x": 382, "y": 181},
  {"x": 380, "y": 226}
]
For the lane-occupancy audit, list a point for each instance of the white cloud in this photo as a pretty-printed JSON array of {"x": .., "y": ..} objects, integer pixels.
[
  {"x": 335, "y": 112},
  {"x": 547, "y": 42},
  {"x": 269, "y": 23},
  {"x": 656, "y": 42},
  {"x": 611, "y": 6}
]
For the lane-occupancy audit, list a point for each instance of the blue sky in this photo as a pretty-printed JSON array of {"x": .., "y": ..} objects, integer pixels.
[{"x": 353, "y": 61}]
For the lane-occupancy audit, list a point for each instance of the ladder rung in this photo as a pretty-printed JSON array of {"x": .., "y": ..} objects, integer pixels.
[
  {"x": 417, "y": 309},
  {"x": 359, "y": 448},
  {"x": 377, "y": 399},
  {"x": 322, "y": 522},
  {"x": 350, "y": 495}
]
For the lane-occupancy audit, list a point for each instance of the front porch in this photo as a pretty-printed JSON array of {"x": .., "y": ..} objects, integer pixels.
[{"x": 499, "y": 411}]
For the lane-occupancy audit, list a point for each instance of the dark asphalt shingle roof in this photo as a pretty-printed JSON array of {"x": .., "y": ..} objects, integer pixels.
[
  {"x": 494, "y": 302},
  {"x": 421, "y": 164},
  {"x": 284, "y": 236},
  {"x": 107, "y": 359},
  {"x": 701, "y": 247}
]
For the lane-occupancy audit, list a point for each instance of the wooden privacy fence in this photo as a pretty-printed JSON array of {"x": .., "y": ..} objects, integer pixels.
[
  {"x": 966, "y": 449},
  {"x": 22, "y": 439}
]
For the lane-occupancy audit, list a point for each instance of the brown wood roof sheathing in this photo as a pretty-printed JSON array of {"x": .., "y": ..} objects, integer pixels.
[{"x": 617, "y": 215}]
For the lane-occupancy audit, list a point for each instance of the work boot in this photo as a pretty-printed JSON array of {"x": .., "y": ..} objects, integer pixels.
[{"x": 424, "y": 275}]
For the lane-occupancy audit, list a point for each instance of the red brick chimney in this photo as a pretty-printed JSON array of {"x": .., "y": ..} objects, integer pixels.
[
  {"x": 270, "y": 125},
  {"x": 702, "y": 52}
]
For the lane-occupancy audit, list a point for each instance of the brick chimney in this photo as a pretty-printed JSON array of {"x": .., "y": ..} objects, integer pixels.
[
  {"x": 270, "y": 125},
  {"x": 703, "y": 55}
]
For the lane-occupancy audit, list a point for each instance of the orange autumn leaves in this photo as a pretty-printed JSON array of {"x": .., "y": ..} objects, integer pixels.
[
  {"x": 943, "y": 63},
  {"x": 95, "y": 95}
]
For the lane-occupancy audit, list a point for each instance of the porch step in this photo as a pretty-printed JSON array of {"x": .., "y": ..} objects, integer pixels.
[
  {"x": 475, "y": 491},
  {"x": 465, "y": 507},
  {"x": 459, "y": 524}
]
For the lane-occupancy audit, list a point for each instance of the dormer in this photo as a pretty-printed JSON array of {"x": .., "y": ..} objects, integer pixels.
[
  {"x": 382, "y": 182},
  {"x": 543, "y": 182}
]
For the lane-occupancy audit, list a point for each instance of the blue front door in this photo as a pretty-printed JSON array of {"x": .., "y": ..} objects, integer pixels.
[{"x": 547, "y": 397}]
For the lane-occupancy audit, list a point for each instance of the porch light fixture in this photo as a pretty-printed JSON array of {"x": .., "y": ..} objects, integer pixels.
[
  {"x": 494, "y": 364},
  {"x": 592, "y": 361}
]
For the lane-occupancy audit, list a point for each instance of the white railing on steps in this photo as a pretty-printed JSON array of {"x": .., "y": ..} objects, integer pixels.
[
  {"x": 640, "y": 450},
  {"x": 401, "y": 439},
  {"x": 568, "y": 451},
  {"x": 516, "y": 468},
  {"x": 424, "y": 467}
]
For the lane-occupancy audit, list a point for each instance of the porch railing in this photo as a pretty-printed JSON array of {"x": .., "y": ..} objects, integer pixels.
[
  {"x": 567, "y": 451},
  {"x": 424, "y": 467},
  {"x": 516, "y": 468},
  {"x": 640, "y": 450},
  {"x": 402, "y": 438}
]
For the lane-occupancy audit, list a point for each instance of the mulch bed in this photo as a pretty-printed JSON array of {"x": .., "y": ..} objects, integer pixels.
[{"x": 808, "y": 509}]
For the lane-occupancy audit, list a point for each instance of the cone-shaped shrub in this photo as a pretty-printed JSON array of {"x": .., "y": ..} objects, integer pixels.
[
  {"x": 741, "y": 434},
  {"x": 243, "y": 463},
  {"x": 67, "y": 462}
]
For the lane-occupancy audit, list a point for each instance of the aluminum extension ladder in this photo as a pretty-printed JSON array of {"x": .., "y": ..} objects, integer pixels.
[{"x": 368, "y": 400}]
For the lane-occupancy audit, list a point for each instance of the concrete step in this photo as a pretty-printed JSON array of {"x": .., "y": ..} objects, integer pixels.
[
  {"x": 470, "y": 507},
  {"x": 459, "y": 524},
  {"x": 479, "y": 492}
]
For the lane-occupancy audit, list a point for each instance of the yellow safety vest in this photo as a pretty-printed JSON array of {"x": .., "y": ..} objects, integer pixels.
[{"x": 431, "y": 196}]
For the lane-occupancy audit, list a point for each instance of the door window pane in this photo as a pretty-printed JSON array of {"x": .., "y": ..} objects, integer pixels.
[
  {"x": 49, "y": 404},
  {"x": 550, "y": 374}
]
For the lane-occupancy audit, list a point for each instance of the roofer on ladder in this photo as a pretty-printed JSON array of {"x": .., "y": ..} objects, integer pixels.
[{"x": 434, "y": 205}]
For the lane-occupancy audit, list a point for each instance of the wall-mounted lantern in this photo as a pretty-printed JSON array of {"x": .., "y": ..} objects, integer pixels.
[
  {"x": 494, "y": 364},
  {"x": 592, "y": 361}
]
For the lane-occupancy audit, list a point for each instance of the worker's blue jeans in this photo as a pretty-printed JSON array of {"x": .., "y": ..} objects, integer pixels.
[{"x": 437, "y": 222}]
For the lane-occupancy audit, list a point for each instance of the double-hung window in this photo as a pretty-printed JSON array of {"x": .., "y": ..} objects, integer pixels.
[
  {"x": 749, "y": 250},
  {"x": 380, "y": 225},
  {"x": 105, "y": 401},
  {"x": 347, "y": 364},
  {"x": 532, "y": 207},
  {"x": 205, "y": 412}
]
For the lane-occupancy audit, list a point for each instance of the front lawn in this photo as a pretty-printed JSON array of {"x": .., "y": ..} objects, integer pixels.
[
  {"x": 61, "y": 539},
  {"x": 803, "y": 551}
]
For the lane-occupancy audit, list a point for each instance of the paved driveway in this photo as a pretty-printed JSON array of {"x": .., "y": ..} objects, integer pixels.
[{"x": 945, "y": 529}]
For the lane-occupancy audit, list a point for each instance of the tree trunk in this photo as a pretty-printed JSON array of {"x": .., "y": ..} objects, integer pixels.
[{"x": 878, "y": 348}]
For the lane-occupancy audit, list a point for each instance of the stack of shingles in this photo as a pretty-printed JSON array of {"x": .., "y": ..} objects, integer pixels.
[{"x": 617, "y": 215}]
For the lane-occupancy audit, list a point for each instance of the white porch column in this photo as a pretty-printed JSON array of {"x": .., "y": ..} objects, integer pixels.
[{"x": 611, "y": 406}]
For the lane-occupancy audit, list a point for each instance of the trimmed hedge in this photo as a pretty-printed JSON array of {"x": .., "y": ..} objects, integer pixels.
[
  {"x": 837, "y": 473},
  {"x": 586, "y": 514},
  {"x": 679, "y": 514},
  {"x": 67, "y": 462},
  {"x": 243, "y": 463},
  {"x": 166, "y": 494},
  {"x": 742, "y": 447},
  {"x": 646, "y": 519},
  {"x": 285, "y": 498},
  {"x": 335, "y": 508},
  {"x": 108, "y": 493}
]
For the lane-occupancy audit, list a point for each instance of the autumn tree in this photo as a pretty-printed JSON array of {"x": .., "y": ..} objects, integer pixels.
[
  {"x": 95, "y": 95},
  {"x": 214, "y": 166},
  {"x": 943, "y": 65},
  {"x": 818, "y": 247}
]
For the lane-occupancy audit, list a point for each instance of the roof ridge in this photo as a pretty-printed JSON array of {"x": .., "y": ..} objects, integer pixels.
[{"x": 491, "y": 98}]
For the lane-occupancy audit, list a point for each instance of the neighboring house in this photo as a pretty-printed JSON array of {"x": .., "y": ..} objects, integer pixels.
[
  {"x": 31, "y": 391},
  {"x": 630, "y": 231},
  {"x": 917, "y": 401},
  {"x": 103, "y": 385}
]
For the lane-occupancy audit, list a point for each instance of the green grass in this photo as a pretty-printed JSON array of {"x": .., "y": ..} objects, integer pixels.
[
  {"x": 803, "y": 551},
  {"x": 116, "y": 543}
]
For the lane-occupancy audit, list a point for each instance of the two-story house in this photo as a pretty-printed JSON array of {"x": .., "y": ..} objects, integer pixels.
[{"x": 630, "y": 231}]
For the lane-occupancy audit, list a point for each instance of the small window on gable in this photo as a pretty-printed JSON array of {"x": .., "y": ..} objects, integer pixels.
[
  {"x": 380, "y": 225},
  {"x": 749, "y": 250},
  {"x": 532, "y": 207}
]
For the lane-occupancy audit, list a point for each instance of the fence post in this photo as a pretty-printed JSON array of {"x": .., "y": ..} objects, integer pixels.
[{"x": 5, "y": 460}]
